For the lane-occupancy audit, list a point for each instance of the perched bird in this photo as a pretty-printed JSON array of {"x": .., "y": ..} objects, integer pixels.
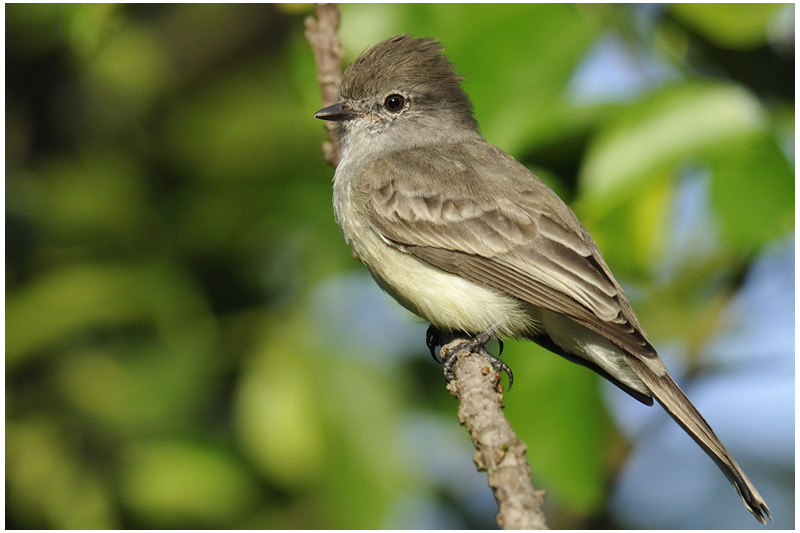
[{"x": 463, "y": 235}]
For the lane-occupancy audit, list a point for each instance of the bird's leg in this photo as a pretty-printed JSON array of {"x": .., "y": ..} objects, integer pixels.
[{"x": 475, "y": 345}]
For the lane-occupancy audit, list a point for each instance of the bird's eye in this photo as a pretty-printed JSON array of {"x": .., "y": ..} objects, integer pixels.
[{"x": 394, "y": 103}]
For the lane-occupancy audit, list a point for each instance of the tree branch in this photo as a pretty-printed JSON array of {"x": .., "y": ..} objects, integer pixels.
[
  {"x": 321, "y": 35},
  {"x": 500, "y": 453}
]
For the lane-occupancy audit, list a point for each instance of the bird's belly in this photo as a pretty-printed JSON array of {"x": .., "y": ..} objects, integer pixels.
[{"x": 446, "y": 300}]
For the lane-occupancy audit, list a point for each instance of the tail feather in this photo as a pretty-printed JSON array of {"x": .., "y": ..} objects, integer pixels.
[{"x": 675, "y": 402}]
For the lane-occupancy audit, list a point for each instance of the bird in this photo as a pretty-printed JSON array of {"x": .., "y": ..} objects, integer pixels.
[{"x": 466, "y": 237}]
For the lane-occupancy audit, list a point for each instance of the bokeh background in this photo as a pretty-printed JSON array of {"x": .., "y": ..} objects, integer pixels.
[{"x": 190, "y": 343}]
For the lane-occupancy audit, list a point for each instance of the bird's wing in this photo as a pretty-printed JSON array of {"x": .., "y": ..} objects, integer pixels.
[{"x": 510, "y": 233}]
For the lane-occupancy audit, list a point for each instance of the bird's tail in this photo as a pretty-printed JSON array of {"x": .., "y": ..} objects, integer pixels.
[{"x": 675, "y": 402}]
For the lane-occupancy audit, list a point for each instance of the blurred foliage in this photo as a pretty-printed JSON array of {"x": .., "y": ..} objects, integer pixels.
[{"x": 169, "y": 231}]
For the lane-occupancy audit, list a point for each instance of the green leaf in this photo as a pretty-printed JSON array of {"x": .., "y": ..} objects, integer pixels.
[
  {"x": 169, "y": 482},
  {"x": 74, "y": 299},
  {"x": 752, "y": 190},
  {"x": 663, "y": 130},
  {"x": 275, "y": 409},
  {"x": 50, "y": 483},
  {"x": 738, "y": 26}
]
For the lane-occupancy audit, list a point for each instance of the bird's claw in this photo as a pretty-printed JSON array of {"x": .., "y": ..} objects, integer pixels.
[
  {"x": 433, "y": 338},
  {"x": 476, "y": 345}
]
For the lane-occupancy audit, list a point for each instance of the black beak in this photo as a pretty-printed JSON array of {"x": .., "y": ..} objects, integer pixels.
[{"x": 336, "y": 112}]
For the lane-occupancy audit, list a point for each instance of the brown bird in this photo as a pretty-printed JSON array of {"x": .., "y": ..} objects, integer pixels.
[{"x": 463, "y": 235}]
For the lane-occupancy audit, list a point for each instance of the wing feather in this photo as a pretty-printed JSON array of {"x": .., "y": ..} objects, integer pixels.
[{"x": 516, "y": 237}]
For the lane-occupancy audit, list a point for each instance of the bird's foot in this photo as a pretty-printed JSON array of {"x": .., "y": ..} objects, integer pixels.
[{"x": 436, "y": 338}]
